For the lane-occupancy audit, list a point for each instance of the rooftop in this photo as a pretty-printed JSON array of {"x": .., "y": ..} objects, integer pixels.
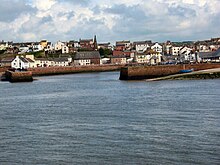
[
  {"x": 210, "y": 54},
  {"x": 87, "y": 55}
]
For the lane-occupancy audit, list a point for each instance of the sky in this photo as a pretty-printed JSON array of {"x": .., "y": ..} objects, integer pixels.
[{"x": 110, "y": 20}]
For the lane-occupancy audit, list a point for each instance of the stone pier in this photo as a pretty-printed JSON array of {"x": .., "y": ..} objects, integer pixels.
[
  {"x": 149, "y": 72},
  {"x": 23, "y": 76}
]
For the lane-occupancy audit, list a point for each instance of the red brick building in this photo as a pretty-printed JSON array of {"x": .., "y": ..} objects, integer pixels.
[
  {"x": 88, "y": 44},
  {"x": 128, "y": 54}
]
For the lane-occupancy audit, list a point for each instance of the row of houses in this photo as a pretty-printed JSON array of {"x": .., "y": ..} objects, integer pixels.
[
  {"x": 48, "y": 47},
  {"x": 80, "y": 59},
  {"x": 123, "y": 51},
  {"x": 210, "y": 56},
  {"x": 93, "y": 58},
  {"x": 28, "y": 61},
  {"x": 125, "y": 45}
]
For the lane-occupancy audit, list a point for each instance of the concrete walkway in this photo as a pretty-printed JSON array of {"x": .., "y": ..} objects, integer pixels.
[{"x": 181, "y": 76}]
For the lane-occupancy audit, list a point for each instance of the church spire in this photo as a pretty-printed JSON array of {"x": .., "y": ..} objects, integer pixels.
[{"x": 95, "y": 43}]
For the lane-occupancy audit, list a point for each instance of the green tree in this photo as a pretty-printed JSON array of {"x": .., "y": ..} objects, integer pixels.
[
  {"x": 101, "y": 51},
  {"x": 108, "y": 51}
]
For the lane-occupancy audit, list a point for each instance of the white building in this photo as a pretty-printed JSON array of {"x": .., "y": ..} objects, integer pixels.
[
  {"x": 213, "y": 47},
  {"x": 32, "y": 63},
  {"x": 49, "y": 47},
  {"x": 168, "y": 49},
  {"x": 43, "y": 62},
  {"x": 105, "y": 61},
  {"x": 3, "y": 45},
  {"x": 157, "y": 48},
  {"x": 37, "y": 47},
  {"x": 62, "y": 46},
  {"x": 187, "y": 55},
  {"x": 22, "y": 63},
  {"x": 82, "y": 62},
  {"x": 61, "y": 62},
  {"x": 175, "y": 50},
  {"x": 143, "y": 58},
  {"x": 203, "y": 48},
  {"x": 59, "y": 45},
  {"x": 185, "y": 50},
  {"x": 141, "y": 46},
  {"x": 76, "y": 44},
  {"x": 23, "y": 49},
  {"x": 155, "y": 58},
  {"x": 65, "y": 49}
]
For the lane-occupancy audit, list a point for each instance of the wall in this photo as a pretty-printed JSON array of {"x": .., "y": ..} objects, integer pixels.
[
  {"x": 147, "y": 72},
  {"x": 18, "y": 76},
  {"x": 73, "y": 69}
]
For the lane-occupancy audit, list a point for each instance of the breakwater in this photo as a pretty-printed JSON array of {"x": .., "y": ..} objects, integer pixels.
[
  {"x": 149, "y": 72},
  {"x": 12, "y": 76},
  {"x": 73, "y": 69}
]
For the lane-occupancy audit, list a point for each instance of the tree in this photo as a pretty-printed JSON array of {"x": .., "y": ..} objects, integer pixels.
[
  {"x": 108, "y": 51},
  {"x": 101, "y": 51}
]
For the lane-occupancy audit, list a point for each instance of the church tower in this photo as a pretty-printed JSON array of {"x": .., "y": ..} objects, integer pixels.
[{"x": 95, "y": 43}]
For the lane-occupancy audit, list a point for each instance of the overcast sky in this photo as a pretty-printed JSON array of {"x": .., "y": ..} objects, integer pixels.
[{"x": 110, "y": 20}]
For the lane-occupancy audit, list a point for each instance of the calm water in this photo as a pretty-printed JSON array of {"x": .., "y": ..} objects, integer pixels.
[{"x": 97, "y": 119}]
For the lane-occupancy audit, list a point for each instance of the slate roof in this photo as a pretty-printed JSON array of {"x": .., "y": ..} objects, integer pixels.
[
  {"x": 10, "y": 59},
  {"x": 120, "y": 43},
  {"x": 7, "y": 59},
  {"x": 87, "y": 55},
  {"x": 104, "y": 44},
  {"x": 123, "y": 41},
  {"x": 29, "y": 60},
  {"x": 143, "y": 42},
  {"x": 23, "y": 59},
  {"x": 61, "y": 59},
  {"x": 210, "y": 54},
  {"x": 44, "y": 59}
]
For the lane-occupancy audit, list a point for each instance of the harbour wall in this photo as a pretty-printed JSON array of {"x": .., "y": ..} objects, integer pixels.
[
  {"x": 18, "y": 76},
  {"x": 73, "y": 69},
  {"x": 149, "y": 72}
]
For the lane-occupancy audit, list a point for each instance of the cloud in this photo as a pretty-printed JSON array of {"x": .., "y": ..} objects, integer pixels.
[
  {"x": 76, "y": 2},
  {"x": 10, "y": 10},
  {"x": 158, "y": 20},
  {"x": 181, "y": 11},
  {"x": 43, "y": 5}
]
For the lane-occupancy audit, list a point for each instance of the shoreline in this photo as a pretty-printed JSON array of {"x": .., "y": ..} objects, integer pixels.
[{"x": 32, "y": 73}]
